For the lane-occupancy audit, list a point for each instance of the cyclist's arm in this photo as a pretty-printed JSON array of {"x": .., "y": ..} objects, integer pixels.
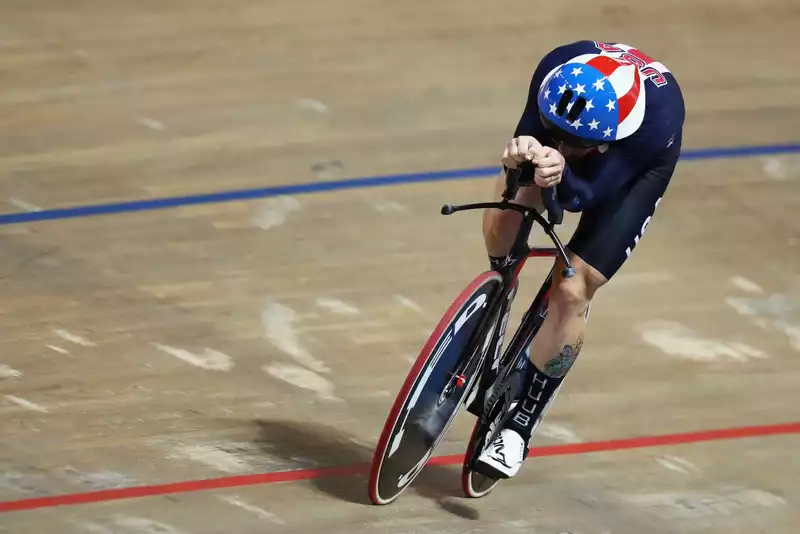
[
  {"x": 615, "y": 170},
  {"x": 659, "y": 134}
]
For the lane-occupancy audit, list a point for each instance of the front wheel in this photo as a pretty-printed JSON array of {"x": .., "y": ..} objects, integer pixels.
[{"x": 434, "y": 390}]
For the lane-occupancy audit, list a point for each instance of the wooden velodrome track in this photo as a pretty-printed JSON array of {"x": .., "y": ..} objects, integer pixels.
[{"x": 225, "y": 364}]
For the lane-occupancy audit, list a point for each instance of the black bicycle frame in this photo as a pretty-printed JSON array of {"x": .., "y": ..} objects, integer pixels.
[
  {"x": 520, "y": 252},
  {"x": 520, "y": 249}
]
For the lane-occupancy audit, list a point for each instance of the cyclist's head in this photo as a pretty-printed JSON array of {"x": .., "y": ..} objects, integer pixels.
[{"x": 592, "y": 99}]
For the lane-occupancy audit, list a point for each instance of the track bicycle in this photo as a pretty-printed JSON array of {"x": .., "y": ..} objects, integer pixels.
[{"x": 463, "y": 364}]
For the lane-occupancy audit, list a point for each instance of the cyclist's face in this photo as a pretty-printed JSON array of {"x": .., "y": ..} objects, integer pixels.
[{"x": 570, "y": 152}]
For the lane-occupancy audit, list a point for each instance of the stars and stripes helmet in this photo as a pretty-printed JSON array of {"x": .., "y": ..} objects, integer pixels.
[{"x": 591, "y": 100}]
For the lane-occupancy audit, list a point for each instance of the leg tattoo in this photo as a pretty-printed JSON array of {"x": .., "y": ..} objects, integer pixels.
[{"x": 558, "y": 366}]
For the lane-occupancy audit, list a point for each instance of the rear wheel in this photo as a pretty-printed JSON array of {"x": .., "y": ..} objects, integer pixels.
[
  {"x": 434, "y": 390},
  {"x": 474, "y": 484}
]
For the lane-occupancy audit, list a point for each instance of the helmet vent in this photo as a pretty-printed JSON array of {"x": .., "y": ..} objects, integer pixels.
[
  {"x": 566, "y": 98},
  {"x": 577, "y": 107}
]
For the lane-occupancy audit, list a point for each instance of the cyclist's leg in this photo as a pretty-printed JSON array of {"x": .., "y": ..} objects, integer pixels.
[{"x": 602, "y": 242}]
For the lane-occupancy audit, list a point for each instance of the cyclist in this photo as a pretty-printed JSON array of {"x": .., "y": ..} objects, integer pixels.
[{"x": 603, "y": 125}]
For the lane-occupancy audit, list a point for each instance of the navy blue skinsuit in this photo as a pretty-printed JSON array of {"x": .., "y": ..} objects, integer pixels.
[{"x": 617, "y": 187}]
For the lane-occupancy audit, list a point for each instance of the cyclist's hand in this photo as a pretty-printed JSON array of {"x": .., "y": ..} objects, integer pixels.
[
  {"x": 519, "y": 150},
  {"x": 549, "y": 166}
]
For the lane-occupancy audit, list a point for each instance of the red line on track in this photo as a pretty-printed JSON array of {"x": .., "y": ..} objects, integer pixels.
[{"x": 345, "y": 470}]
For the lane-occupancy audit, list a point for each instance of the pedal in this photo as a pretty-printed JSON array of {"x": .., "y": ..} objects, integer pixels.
[{"x": 488, "y": 471}]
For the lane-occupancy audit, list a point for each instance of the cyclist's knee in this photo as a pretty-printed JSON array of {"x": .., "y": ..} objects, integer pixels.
[{"x": 572, "y": 296}]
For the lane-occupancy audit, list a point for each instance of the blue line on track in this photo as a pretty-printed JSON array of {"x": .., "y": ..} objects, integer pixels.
[{"x": 353, "y": 183}]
